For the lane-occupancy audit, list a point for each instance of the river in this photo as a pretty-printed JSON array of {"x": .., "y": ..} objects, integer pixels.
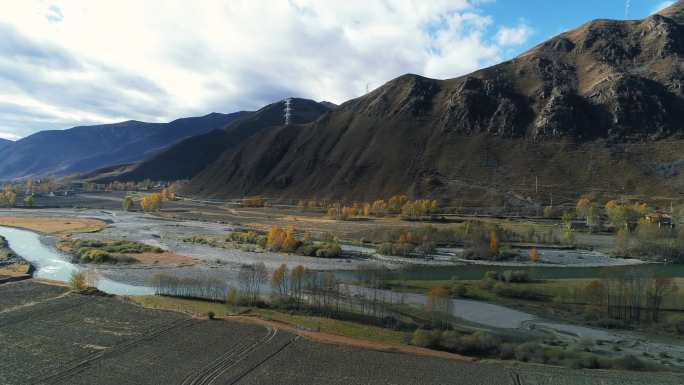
[{"x": 54, "y": 265}]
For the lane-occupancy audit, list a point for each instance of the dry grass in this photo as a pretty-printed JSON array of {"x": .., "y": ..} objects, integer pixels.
[
  {"x": 54, "y": 226},
  {"x": 166, "y": 258},
  {"x": 15, "y": 270}
]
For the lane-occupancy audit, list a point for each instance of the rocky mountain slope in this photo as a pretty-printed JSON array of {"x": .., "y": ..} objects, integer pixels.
[
  {"x": 192, "y": 155},
  {"x": 598, "y": 108},
  {"x": 82, "y": 149}
]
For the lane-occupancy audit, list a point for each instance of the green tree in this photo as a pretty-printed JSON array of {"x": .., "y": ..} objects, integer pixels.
[
  {"x": 28, "y": 201},
  {"x": 127, "y": 203}
]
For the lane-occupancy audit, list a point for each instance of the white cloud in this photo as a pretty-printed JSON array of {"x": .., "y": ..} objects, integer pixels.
[
  {"x": 9, "y": 136},
  {"x": 509, "y": 36},
  {"x": 662, "y": 6},
  {"x": 157, "y": 60}
]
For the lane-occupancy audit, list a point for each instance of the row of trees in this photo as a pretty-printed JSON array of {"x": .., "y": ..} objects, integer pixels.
[
  {"x": 396, "y": 205},
  {"x": 203, "y": 288},
  {"x": 254, "y": 201},
  {"x": 620, "y": 214},
  {"x": 296, "y": 287},
  {"x": 631, "y": 295},
  {"x": 151, "y": 202},
  {"x": 44, "y": 186},
  {"x": 143, "y": 185}
]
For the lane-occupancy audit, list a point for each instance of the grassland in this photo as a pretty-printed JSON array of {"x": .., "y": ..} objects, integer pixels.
[{"x": 120, "y": 251}]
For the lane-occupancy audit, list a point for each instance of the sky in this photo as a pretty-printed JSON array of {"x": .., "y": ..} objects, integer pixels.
[{"x": 65, "y": 63}]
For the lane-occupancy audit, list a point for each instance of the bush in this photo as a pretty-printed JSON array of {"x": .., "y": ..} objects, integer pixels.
[
  {"x": 679, "y": 327},
  {"x": 329, "y": 250},
  {"x": 460, "y": 291},
  {"x": 610, "y": 323},
  {"x": 425, "y": 338},
  {"x": 529, "y": 352},
  {"x": 516, "y": 276},
  {"x": 232, "y": 297},
  {"x": 78, "y": 281},
  {"x": 211, "y": 315},
  {"x": 503, "y": 290},
  {"x": 478, "y": 343},
  {"x": 629, "y": 362},
  {"x": 88, "y": 255},
  {"x": 507, "y": 351}
]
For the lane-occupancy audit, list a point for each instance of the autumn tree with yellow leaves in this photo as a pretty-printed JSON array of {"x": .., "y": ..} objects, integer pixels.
[{"x": 152, "y": 202}]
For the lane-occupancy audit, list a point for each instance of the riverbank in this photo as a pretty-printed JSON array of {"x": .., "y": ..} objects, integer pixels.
[{"x": 125, "y": 280}]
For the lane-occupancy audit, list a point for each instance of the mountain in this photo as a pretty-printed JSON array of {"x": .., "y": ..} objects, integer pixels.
[
  {"x": 4, "y": 143},
  {"x": 190, "y": 156},
  {"x": 596, "y": 109},
  {"x": 82, "y": 149}
]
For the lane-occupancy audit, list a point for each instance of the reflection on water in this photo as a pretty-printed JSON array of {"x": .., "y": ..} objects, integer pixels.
[{"x": 51, "y": 264}]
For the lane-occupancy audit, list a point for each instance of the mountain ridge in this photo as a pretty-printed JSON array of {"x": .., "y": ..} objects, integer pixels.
[
  {"x": 190, "y": 156},
  {"x": 85, "y": 148},
  {"x": 604, "y": 83}
]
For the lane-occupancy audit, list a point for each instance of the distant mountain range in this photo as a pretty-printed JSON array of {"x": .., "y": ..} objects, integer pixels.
[
  {"x": 190, "y": 156},
  {"x": 82, "y": 149}
]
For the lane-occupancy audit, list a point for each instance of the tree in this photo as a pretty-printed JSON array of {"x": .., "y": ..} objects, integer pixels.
[
  {"x": 28, "y": 201},
  {"x": 232, "y": 297},
  {"x": 280, "y": 283},
  {"x": 622, "y": 215},
  {"x": 534, "y": 255},
  {"x": 251, "y": 277},
  {"x": 396, "y": 202},
  {"x": 595, "y": 292},
  {"x": 659, "y": 288},
  {"x": 8, "y": 196},
  {"x": 127, "y": 203},
  {"x": 494, "y": 243},
  {"x": 151, "y": 202},
  {"x": 439, "y": 304},
  {"x": 297, "y": 281},
  {"x": 582, "y": 208}
]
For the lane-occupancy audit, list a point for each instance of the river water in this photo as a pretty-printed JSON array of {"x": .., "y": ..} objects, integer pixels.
[{"x": 54, "y": 265}]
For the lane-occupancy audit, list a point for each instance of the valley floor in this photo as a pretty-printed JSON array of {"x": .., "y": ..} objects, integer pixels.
[{"x": 51, "y": 336}]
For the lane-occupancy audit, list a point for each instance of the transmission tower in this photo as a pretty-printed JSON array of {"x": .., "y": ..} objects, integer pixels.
[{"x": 288, "y": 111}]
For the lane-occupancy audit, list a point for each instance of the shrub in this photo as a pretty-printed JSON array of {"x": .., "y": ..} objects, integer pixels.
[
  {"x": 478, "y": 343},
  {"x": 460, "y": 291},
  {"x": 425, "y": 338},
  {"x": 676, "y": 324},
  {"x": 211, "y": 315},
  {"x": 630, "y": 362},
  {"x": 493, "y": 275},
  {"x": 88, "y": 255},
  {"x": 329, "y": 250},
  {"x": 402, "y": 249},
  {"x": 529, "y": 352},
  {"x": 503, "y": 290},
  {"x": 78, "y": 281},
  {"x": 232, "y": 298},
  {"x": 507, "y": 351}
]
